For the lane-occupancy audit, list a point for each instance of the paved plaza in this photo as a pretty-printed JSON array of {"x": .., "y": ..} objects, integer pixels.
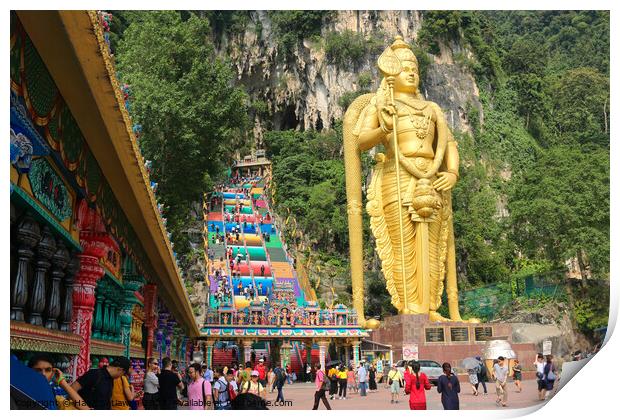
[{"x": 302, "y": 398}]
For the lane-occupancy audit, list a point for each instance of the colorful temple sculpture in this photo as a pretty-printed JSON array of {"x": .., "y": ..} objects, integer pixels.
[
  {"x": 257, "y": 303},
  {"x": 93, "y": 273}
]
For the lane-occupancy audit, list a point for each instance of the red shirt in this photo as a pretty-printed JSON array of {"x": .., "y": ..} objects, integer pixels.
[
  {"x": 261, "y": 371},
  {"x": 416, "y": 396}
]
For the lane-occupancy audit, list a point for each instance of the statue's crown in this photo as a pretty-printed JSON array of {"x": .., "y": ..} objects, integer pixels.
[{"x": 403, "y": 50}]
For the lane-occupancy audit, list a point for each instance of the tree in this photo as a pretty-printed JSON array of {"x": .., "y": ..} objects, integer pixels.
[
  {"x": 560, "y": 208},
  {"x": 579, "y": 101},
  {"x": 192, "y": 116}
]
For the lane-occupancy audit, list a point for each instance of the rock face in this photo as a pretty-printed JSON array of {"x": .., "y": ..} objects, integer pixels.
[
  {"x": 553, "y": 322},
  {"x": 303, "y": 92}
]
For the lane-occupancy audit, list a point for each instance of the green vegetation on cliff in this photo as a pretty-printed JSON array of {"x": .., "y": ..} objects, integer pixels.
[
  {"x": 191, "y": 114},
  {"x": 534, "y": 187}
]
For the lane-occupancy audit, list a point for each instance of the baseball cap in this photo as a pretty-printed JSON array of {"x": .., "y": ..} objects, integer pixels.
[
  {"x": 254, "y": 373},
  {"x": 261, "y": 360}
]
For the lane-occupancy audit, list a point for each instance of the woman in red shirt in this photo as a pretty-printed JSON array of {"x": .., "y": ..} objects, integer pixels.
[{"x": 416, "y": 385}]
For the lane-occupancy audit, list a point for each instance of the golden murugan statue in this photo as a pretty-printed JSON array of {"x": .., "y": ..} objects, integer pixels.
[{"x": 409, "y": 198}]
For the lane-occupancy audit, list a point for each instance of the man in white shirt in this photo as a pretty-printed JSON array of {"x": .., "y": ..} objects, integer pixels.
[
  {"x": 500, "y": 374},
  {"x": 362, "y": 376}
]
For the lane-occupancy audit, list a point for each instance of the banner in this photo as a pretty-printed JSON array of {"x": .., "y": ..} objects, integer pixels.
[
  {"x": 410, "y": 351},
  {"x": 546, "y": 347}
]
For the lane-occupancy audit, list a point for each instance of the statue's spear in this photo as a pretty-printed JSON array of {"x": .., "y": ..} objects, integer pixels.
[{"x": 390, "y": 66}]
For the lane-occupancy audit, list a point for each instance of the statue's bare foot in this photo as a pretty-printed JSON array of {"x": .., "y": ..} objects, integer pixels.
[
  {"x": 434, "y": 316},
  {"x": 470, "y": 320}
]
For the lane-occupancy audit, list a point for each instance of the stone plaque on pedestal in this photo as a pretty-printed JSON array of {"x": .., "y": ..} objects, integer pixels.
[{"x": 439, "y": 341}]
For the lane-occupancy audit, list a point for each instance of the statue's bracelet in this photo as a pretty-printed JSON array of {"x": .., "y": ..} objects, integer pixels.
[{"x": 453, "y": 172}]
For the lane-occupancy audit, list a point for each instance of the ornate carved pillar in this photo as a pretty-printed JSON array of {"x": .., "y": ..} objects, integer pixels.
[
  {"x": 162, "y": 333},
  {"x": 285, "y": 353},
  {"x": 356, "y": 352},
  {"x": 136, "y": 326},
  {"x": 170, "y": 338},
  {"x": 323, "y": 345},
  {"x": 98, "y": 314},
  {"x": 67, "y": 306},
  {"x": 83, "y": 305},
  {"x": 28, "y": 235},
  {"x": 105, "y": 330},
  {"x": 150, "y": 318},
  {"x": 131, "y": 283},
  {"x": 94, "y": 241},
  {"x": 159, "y": 334},
  {"x": 308, "y": 353},
  {"x": 184, "y": 350},
  {"x": 347, "y": 353},
  {"x": 45, "y": 250},
  {"x": 115, "y": 319},
  {"x": 189, "y": 349},
  {"x": 52, "y": 310},
  {"x": 209, "y": 344},
  {"x": 247, "y": 350}
]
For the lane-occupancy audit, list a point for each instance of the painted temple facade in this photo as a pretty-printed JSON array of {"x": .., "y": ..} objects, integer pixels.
[{"x": 93, "y": 274}]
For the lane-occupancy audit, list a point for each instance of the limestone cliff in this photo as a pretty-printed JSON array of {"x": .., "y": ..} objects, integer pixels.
[{"x": 303, "y": 92}]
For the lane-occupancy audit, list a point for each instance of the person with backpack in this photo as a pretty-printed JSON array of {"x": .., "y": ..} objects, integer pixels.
[
  {"x": 279, "y": 380},
  {"x": 550, "y": 375},
  {"x": 254, "y": 386},
  {"x": 416, "y": 385},
  {"x": 225, "y": 390},
  {"x": 333, "y": 382},
  {"x": 95, "y": 386},
  {"x": 394, "y": 381},
  {"x": 244, "y": 374},
  {"x": 482, "y": 375},
  {"x": 198, "y": 389},
  {"x": 322, "y": 383},
  {"x": 342, "y": 382}
]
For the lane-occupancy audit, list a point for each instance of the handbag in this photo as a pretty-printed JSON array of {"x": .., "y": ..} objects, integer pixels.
[{"x": 326, "y": 383}]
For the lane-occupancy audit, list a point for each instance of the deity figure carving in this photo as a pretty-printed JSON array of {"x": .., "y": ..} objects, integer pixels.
[{"x": 409, "y": 196}]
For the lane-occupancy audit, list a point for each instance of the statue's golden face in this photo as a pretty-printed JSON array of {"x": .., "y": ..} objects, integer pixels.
[{"x": 408, "y": 79}]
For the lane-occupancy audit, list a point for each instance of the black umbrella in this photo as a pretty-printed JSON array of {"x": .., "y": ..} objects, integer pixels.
[
  {"x": 333, "y": 363},
  {"x": 249, "y": 401}
]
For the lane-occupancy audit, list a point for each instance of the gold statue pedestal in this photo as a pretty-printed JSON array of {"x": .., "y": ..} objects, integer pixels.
[{"x": 417, "y": 336}]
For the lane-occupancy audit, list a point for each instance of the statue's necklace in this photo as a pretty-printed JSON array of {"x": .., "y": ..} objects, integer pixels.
[{"x": 422, "y": 126}]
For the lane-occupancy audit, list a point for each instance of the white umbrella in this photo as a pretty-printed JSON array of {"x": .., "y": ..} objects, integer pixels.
[{"x": 470, "y": 363}]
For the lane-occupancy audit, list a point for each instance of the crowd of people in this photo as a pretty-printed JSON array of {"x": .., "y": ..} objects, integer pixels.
[{"x": 199, "y": 387}]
